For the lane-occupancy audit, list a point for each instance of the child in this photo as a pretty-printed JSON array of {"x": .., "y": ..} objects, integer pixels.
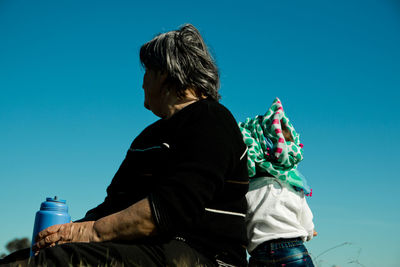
[{"x": 278, "y": 220}]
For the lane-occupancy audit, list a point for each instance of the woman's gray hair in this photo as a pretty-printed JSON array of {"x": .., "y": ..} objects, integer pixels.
[{"x": 186, "y": 59}]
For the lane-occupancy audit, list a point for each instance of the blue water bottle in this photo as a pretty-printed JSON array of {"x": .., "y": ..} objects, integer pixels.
[{"x": 52, "y": 211}]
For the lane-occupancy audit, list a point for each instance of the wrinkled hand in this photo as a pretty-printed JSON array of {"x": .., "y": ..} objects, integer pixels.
[{"x": 65, "y": 233}]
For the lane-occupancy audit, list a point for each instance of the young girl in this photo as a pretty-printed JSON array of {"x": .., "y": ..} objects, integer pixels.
[{"x": 278, "y": 220}]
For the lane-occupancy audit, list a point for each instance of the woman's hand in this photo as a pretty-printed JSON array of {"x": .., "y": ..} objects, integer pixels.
[
  {"x": 66, "y": 233},
  {"x": 134, "y": 222}
]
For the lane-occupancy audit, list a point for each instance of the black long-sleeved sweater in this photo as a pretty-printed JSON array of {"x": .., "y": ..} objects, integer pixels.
[{"x": 192, "y": 168}]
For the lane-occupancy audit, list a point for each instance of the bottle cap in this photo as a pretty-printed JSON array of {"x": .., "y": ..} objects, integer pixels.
[
  {"x": 54, "y": 204},
  {"x": 55, "y": 199}
]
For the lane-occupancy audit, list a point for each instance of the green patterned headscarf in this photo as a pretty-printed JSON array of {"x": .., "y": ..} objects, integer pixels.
[{"x": 268, "y": 151}]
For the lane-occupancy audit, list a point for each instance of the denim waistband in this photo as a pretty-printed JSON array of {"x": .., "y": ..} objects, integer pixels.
[{"x": 272, "y": 245}]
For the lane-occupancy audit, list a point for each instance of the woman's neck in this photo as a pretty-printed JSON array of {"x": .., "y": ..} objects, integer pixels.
[{"x": 179, "y": 103}]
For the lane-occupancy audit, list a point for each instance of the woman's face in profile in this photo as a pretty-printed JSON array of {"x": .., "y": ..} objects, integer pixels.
[{"x": 153, "y": 91}]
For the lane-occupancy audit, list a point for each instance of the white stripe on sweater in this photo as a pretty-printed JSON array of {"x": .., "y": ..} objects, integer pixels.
[
  {"x": 244, "y": 153},
  {"x": 226, "y": 212}
]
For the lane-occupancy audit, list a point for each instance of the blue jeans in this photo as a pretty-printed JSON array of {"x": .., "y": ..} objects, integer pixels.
[{"x": 281, "y": 252}]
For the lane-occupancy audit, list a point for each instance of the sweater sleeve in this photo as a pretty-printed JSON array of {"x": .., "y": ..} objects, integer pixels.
[
  {"x": 205, "y": 149},
  {"x": 307, "y": 220}
]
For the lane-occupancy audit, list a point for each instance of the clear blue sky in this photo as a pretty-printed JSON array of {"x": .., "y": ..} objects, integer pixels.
[{"x": 71, "y": 103}]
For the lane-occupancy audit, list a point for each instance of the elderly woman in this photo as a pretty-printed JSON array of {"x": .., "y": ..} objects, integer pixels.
[{"x": 178, "y": 198}]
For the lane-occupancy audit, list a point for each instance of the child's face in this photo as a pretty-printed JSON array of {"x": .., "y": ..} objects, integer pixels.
[{"x": 286, "y": 133}]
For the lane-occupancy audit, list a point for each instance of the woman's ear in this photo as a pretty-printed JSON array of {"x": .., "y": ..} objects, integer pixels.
[{"x": 163, "y": 75}]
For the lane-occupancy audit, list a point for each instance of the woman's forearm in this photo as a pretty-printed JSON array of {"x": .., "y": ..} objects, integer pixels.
[{"x": 131, "y": 223}]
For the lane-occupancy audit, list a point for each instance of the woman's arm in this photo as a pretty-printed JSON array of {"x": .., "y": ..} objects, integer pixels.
[{"x": 131, "y": 223}]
